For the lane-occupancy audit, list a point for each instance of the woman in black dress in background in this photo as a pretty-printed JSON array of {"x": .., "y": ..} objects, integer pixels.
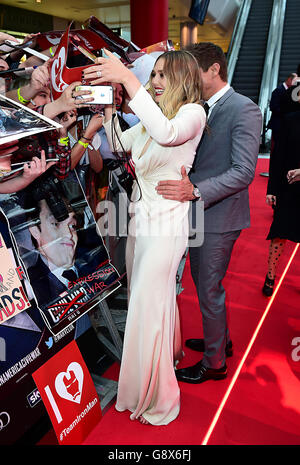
[{"x": 283, "y": 196}]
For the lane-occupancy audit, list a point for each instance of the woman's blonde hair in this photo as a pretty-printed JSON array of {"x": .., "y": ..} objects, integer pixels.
[{"x": 183, "y": 81}]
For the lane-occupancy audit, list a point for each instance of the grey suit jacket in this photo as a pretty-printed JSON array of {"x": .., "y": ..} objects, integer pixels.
[{"x": 225, "y": 162}]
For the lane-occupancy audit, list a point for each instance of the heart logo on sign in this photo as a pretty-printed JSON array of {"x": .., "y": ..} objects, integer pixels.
[
  {"x": 69, "y": 384},
  {"x": 56, "y": 71},
  {"x": 54, "y": 39}
]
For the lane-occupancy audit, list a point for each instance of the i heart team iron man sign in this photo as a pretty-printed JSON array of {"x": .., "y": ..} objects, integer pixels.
[{"x": 69, "y": 395}]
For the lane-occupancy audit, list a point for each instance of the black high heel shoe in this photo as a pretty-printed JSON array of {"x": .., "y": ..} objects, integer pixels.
[{"x": 268, "y": 286}]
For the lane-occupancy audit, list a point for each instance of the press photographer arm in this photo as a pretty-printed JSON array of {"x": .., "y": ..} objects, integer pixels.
[
  {"x": 17, "y": 54},
  {"x": 31, "y": 171},
  {"x": 4, "y": 37},
  {"x": 67, "y": 120},
  {"x": 36, "y": 61},
  {"x": 84, "y": 143}
]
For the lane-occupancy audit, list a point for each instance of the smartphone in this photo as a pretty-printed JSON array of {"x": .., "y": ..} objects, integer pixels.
[
  {"x": 88, "y": 54},
  {"x": 76, "y": 42},
  {"x": 102, "y": 95}
]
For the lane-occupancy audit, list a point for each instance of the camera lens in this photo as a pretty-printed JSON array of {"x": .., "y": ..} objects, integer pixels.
[{"x": 48, "y": 189}]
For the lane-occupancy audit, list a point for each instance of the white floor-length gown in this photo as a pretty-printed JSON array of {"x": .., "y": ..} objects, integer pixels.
[{"x": 158, "y": 236}]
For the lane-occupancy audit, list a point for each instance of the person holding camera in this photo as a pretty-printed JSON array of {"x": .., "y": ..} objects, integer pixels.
[
  {"x": 171, "y": 124},
  {"x": 32, "y": 170}
]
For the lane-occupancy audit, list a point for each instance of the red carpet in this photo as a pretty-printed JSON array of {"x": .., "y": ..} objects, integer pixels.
[{"x": 263, "y": 406}]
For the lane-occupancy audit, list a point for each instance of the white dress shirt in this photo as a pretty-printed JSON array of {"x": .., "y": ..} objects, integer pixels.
[
  {"x": 213, "y": 100},
  {"x": 58, "y": 271}
]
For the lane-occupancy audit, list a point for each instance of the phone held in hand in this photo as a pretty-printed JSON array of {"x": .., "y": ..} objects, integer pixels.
[{"x": 102, "y": 95}]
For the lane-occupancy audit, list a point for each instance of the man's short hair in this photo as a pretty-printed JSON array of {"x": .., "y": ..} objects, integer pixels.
[{"x": 207, "y": 54}]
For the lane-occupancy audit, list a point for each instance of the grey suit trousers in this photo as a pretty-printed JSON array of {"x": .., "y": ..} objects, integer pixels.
[{"x": 209, "y": 264}]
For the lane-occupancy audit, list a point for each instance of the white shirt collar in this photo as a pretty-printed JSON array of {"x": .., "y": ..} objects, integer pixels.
[
  {"x": 214, "y": 98},
  {"x": 58, "y": 271}
]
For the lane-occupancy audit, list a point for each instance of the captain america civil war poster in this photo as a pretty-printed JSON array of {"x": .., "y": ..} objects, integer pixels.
[
  {"x": 59, "y": 243},
  {"x": 55, "y": 270}
]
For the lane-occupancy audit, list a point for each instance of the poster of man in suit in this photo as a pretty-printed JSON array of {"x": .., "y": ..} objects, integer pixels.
[
  {"x": 66, "y": 260},
  {"x": 51, "y": 232}
]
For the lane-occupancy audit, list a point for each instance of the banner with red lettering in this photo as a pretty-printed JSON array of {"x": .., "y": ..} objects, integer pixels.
[
  {"x": 69, "y": 395},
  {"x": 13, "y": 298},
  {"x": 25, "y": 342},
  {"x": 76, "y": 51},
  {"x": 91, "y": 33},
  {"x": 67, "y": 66}
]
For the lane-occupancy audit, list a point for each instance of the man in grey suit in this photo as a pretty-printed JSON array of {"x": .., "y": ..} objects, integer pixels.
[{"x": 223, "y": 169}]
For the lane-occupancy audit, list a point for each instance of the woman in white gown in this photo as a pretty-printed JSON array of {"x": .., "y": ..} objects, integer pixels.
[{"x": 171, "y": 125}]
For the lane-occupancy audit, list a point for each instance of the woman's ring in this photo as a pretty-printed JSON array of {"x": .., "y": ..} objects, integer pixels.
[{"x": 99, "y": 74}]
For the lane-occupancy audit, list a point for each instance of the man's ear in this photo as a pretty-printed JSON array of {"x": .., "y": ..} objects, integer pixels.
[
  {"x": 35, "y": 232},
  {"x": 215, "y": 69}
]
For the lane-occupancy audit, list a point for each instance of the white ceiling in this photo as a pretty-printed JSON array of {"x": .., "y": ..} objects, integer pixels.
[{"x": 116, "y": 13}]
